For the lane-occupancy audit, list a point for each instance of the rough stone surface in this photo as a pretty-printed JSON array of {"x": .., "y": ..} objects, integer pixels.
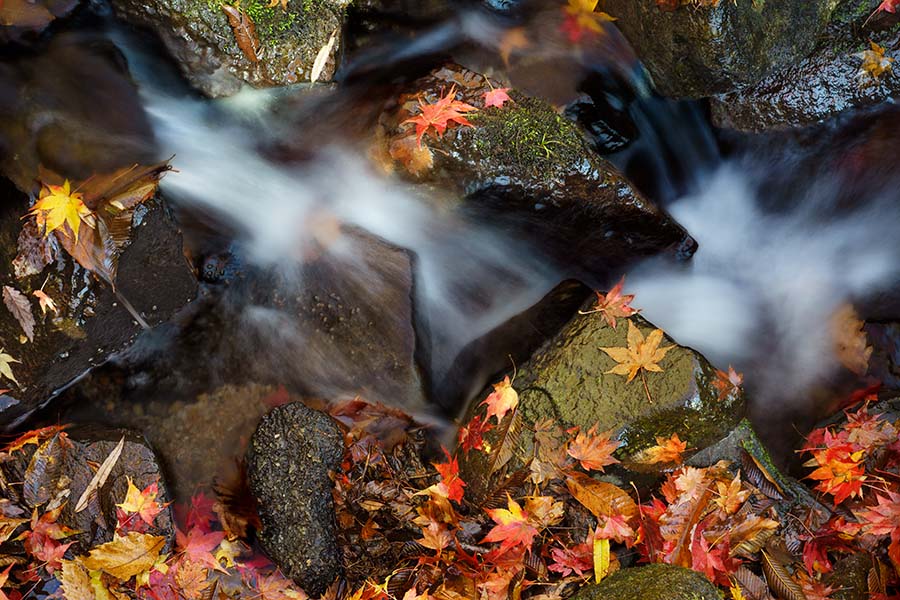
[
  {"x": 529, "y": 170},
  {"x": 91, "y": 324},
  {"x": 96, "y": 523},
  {"x": 653, "y": 582},
  {"x": 700, "y": 51},
  {"x": 819, "y": 85},
  {"x": 288, "y": 462},
  {"x": 198, "y": 36}
]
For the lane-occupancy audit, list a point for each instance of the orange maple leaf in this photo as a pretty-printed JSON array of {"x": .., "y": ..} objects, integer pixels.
[
  {"x": 512, "y": 527},
  {"x": 452, "y": 484},
  {"x": 440, "y": 114},
  {"x": 727, "y": 382},
  {"x": 471, "y": 437},
  {"x": 666, "y": 450},
  {"x": 613, "y": 304},
  {"x": 502, "y": 400},
  {"x": 839, "y": 469},
  {"x": 592, "y": 450}
]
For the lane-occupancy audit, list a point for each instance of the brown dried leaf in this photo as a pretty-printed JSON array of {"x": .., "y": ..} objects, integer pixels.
[
  {"x": 417, "y": 159},
  {"x": 601, "y": 498},
  {"x": 759, "y": 475},
  {"x": 244, "y": 31},
  {"x": 509, "y": 434},
  {"x": 779, "y": 577},
  {"x": 18, "y": 305},
  {"x": 125, "y": 556},
  {"x": 752, "y": 585},
  {"x": 35, "y": 251},
  {"x": 44, "y": 471},
  {"x": 76, "y": 583}
]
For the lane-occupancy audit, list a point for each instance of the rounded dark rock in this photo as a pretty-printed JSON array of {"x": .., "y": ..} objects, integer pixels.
[
  {"x": 653, "y": 582},
  {"x": 288, "y": 462}
]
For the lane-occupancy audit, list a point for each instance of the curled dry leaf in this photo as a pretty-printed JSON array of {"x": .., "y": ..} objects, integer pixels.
[
  {"x": 18, "y": 305},
  {"x": 46, "y": 302},
  {"x": 244, "y": 31}
]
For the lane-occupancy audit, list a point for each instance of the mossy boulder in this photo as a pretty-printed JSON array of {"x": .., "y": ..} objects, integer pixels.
[
  {"x": 822, "y": 84},
  {"x": 653, "y": 582},
  {"x": 200, "y": 39},
  {"x": 568, "y": 380},
  {"x": 529, "y": 170},
  {"x": 697, "y": 51}
]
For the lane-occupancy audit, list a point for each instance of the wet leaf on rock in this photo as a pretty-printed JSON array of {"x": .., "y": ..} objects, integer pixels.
[
  {"x": 18, "y": 305},
  {"x": 5, "y": 370},
  {"x": 34, "y": 251},
  {"x": 244, "y": 31}
]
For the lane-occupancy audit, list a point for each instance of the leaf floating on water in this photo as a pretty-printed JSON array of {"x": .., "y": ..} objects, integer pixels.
[
  {"x": 244, "y": 32},
  {"x": 322, "y": 58},
  {"x": 18, "y": 305},
  {"x": 874, "y": 65},
  {"x": 100, "y": 476}
]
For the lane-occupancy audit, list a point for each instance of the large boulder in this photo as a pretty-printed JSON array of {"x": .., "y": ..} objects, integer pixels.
[
  {"x": 696, "y": 51},
  {"x": 526, "y": 169},
  {"x": 819, "y": 85},
  {"x": 652, "y": 582},
  {"x": 288, "y": 465},
  {"x": 63, "y": 462},
  {"x": 198, "y": 36}
]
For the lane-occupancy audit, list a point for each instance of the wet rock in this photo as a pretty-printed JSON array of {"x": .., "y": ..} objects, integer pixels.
[
  {"x": 288, "y": 462},
  {"x": 819, "y": 85},
  {"x": 698, "y": 51},
  {"x": 23, "y": 20},
  {"x": 567, "y": 381},
  {"x": 198, "y": 36},
  {"x": 527, "y": 169},
  {"x": 92, "y": 445},
  {"x": 653, "y": 582},
  {"x": 200, "y": 439},
  {"x": 91, "y": 324},
  {"x": 71, "y": 108}
]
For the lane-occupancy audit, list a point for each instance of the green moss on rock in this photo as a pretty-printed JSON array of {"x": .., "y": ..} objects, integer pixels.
[{"x": 653, "y": 582}]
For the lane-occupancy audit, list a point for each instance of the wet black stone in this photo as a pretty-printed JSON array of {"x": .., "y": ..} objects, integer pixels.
[{"x": 288, "y": 462}]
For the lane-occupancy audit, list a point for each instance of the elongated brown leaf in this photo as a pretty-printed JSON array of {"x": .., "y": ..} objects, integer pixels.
[
  {"x": 76, "y": 583},
  {"x": 43, "y": 471},
  {"x": 779, "y": 578},
  {"x": 497, "y": 498},
  {"x": 244, "y": 32},
  {"x": 759, "y": 475},
  {"x": 20, "y": 307},
  {"x": 877, "y": 578},
  {"x": 100, "y": 476},
  {"x": 601, "y": 498},
  {"x": 509, "y": 435},
  {"x": 752, "y": 585}
]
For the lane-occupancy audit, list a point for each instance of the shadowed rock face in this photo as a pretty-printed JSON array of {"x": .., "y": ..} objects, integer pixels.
[
  {"x": 68, "y": 466},
  {"x": 820, "y": 85},
  {"x": 288, "y": 462},
  {"x": 699, "y": 51},
  {"x": 199, "y": 38},
  {"x": 653, "y": 582}
]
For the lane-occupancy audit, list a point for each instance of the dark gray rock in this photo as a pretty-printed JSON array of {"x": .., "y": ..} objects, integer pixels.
[
  {"x": 288, "y": 462},
  {"x": 697, "y": 51},
  {"x": 197, "y": 34},
  {"x": 653, "y": 582},
  {"x": 69, "y": 467},
  {"x": 822, "y": 84}
]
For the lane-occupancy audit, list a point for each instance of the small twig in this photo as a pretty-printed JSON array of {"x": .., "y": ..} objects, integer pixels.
[
  {"x": 134, "y": 313},
  {"x": 646, "y": 388}
]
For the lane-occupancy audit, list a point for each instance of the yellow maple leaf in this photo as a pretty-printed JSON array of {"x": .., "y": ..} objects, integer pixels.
[
  {"x": 874, "y": 64},
  {"x": 640, "y": 354},
  {"x": 582, "y": 11},
  {"x": 57, "y": 205},
  {"x": 125, "y": 556}
]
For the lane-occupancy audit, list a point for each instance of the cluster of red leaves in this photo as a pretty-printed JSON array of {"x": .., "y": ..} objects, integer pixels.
[
  {"x": 857, "y": 463},
  {"x": 40, "y": 551}
]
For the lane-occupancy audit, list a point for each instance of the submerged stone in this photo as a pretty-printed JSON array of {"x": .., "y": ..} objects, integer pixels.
[
  {"x": 288, "y": 465},
  {"x": 653, "y": 582},
  {"x": 198, "y": 36},
  {"x": 697, "y": 51}
]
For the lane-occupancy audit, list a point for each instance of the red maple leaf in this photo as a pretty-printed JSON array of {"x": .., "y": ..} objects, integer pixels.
[
  {"x": 884, "y": 519},
  {"x": 471, "y": 437},
  {"x": 613, "y": 304},
  {"x": 496, "y": 97},
  {"x": 512, "y": 527},
  {"x": 592, "y": 450},
  {"x": 200, "y": 514},
  {"x": 42, "y": 542},
  {"x": 450, "y": 478},
  {"x": 440, "y": 114},
  {"x": 578, "y": 559},
  {"x": 197, "y": 546},
  {"x": 502, "y": 400},
  {"x": 713, "y": 562}
]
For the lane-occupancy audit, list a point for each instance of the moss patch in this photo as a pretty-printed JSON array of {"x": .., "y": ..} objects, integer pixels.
[{"x": 272, "y": 23}]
